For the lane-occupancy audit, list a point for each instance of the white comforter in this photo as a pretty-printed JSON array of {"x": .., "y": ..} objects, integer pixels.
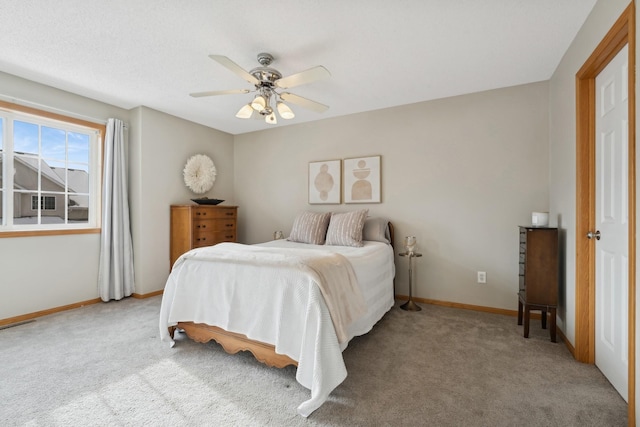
[{"x": 274, "y": 303}]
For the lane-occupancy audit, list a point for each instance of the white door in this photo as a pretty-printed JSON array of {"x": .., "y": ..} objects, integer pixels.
[{"x": 612, "y": 249}]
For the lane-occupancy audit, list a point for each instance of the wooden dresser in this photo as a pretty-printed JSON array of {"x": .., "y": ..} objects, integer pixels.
[
  {"x": 538, "y": 276},
  {"x": 194, "y": 226}
]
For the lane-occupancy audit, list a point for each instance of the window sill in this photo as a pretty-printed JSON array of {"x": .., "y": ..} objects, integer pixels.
[{"x": 31, "y": 233}]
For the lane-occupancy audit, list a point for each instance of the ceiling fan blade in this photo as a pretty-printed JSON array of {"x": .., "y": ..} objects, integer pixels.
[
  {"x": 219, "y": 92},
  {"x": 304, "y": 102},
  {"x": 226, "y": 62},
  {"x": 308, "y": 76}
]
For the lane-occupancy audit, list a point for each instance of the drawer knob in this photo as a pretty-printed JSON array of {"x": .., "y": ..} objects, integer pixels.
[{"x": 229, "y": 225}]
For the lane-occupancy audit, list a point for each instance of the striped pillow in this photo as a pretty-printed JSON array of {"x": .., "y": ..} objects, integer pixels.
[
  {"x": 345, "y": 229},
  {"x": 310, "y": 227}
]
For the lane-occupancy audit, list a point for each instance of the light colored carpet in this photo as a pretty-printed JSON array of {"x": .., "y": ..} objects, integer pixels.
[{"x": 104, "y": 365}]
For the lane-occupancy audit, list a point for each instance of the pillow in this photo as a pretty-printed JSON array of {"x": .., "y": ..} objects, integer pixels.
[
  {"x": 310, "y": 227},
  {"x": 345, "y": 229},
  {"x": 377, "y": 230}
]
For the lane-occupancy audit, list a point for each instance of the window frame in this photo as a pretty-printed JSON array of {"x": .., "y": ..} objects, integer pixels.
[{"x": 24, "y": 112}]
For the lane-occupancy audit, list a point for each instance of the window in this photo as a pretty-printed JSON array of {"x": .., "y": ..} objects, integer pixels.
[
  {"x": 47, "y": 203},
  {"x": 50, "y": 171}
]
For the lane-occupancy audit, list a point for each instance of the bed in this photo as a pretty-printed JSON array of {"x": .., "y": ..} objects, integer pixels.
[{"x": 287, "y": 302}]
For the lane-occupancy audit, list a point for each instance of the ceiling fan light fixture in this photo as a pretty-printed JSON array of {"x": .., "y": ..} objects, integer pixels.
[
  {"x": 245, "y": 112},
  {"x": 266, "y": 81},
  {"x": 284, "y": 111},
  {"x": 271, "y": 119},
  {"x": 259, "y": 103}
]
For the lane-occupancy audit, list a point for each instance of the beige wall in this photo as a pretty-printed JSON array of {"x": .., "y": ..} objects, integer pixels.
[
  {"x": 459, "y": 173},
  {"x": 452, "y": 174},
  {"x": 159, "y": 148},
  {"x": 562, "y": 160},
  {"x": 67, "y": 268},
  {"x": 562, "y": 137}
]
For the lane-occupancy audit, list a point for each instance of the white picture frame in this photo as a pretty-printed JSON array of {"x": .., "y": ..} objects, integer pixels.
[
  {"x": 362, "y": 178},
  {"x": 325, "y": 182}
]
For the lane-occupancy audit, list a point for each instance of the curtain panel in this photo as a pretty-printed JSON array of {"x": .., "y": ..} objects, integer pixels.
[{"x": 115, "y": 274}]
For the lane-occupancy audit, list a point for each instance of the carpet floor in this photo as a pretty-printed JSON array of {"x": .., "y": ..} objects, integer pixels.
[{"x": 104, "y": 365}]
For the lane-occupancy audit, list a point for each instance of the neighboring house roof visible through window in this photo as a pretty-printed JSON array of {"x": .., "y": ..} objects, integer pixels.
[
  {"x": 78, "y": 179},
  {"x": 47, "y": 171}
]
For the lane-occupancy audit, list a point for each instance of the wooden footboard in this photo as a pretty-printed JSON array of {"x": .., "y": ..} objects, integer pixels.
[{"x": 233, "y": 343}]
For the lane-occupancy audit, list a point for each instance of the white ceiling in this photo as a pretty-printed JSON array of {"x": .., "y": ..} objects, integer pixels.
[{"x": 380, "y": 53}]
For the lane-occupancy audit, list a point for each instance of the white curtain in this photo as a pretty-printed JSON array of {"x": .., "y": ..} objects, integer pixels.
[{"x": 115, "y": 274}]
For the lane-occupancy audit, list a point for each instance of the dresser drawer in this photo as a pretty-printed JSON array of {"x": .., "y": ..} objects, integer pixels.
[
  {"x": 209, "y": 238},
  {"x": 226, "y": 236},
  {"x": 203, "y": 239},
  {"x": 203, "y": 212},
  {"x": 204, "y": 225},
  {"x": 207, "y": 232},
  {"x": 523, "y": 236}
]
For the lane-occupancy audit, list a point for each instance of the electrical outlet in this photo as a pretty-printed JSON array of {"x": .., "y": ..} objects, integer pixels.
[{"x": 482, "y": 277}]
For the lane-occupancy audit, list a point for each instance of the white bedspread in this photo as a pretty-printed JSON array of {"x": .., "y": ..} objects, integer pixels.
[{"x": 275, "y": 302}]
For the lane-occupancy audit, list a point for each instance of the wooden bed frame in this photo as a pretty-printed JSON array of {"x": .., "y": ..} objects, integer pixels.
[{"x": 233, "y": 342}]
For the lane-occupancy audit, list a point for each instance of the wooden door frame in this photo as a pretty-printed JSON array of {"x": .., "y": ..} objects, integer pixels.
[{"x": 622, "y": 33}]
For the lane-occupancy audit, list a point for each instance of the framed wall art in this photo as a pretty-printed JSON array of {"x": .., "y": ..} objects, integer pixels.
[
  {"x": 362, "y": 180},
  {"x": 325, "y": 183}
]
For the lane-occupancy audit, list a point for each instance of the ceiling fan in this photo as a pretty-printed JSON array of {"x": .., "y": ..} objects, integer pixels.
[{"x": 268, "y": 83}]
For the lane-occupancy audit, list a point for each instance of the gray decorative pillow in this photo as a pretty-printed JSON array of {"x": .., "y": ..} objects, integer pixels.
[
  {"x": 376, "y": 229},
  {"x": 310, "y": 227},
  {"x": 345, "y": 229}
]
